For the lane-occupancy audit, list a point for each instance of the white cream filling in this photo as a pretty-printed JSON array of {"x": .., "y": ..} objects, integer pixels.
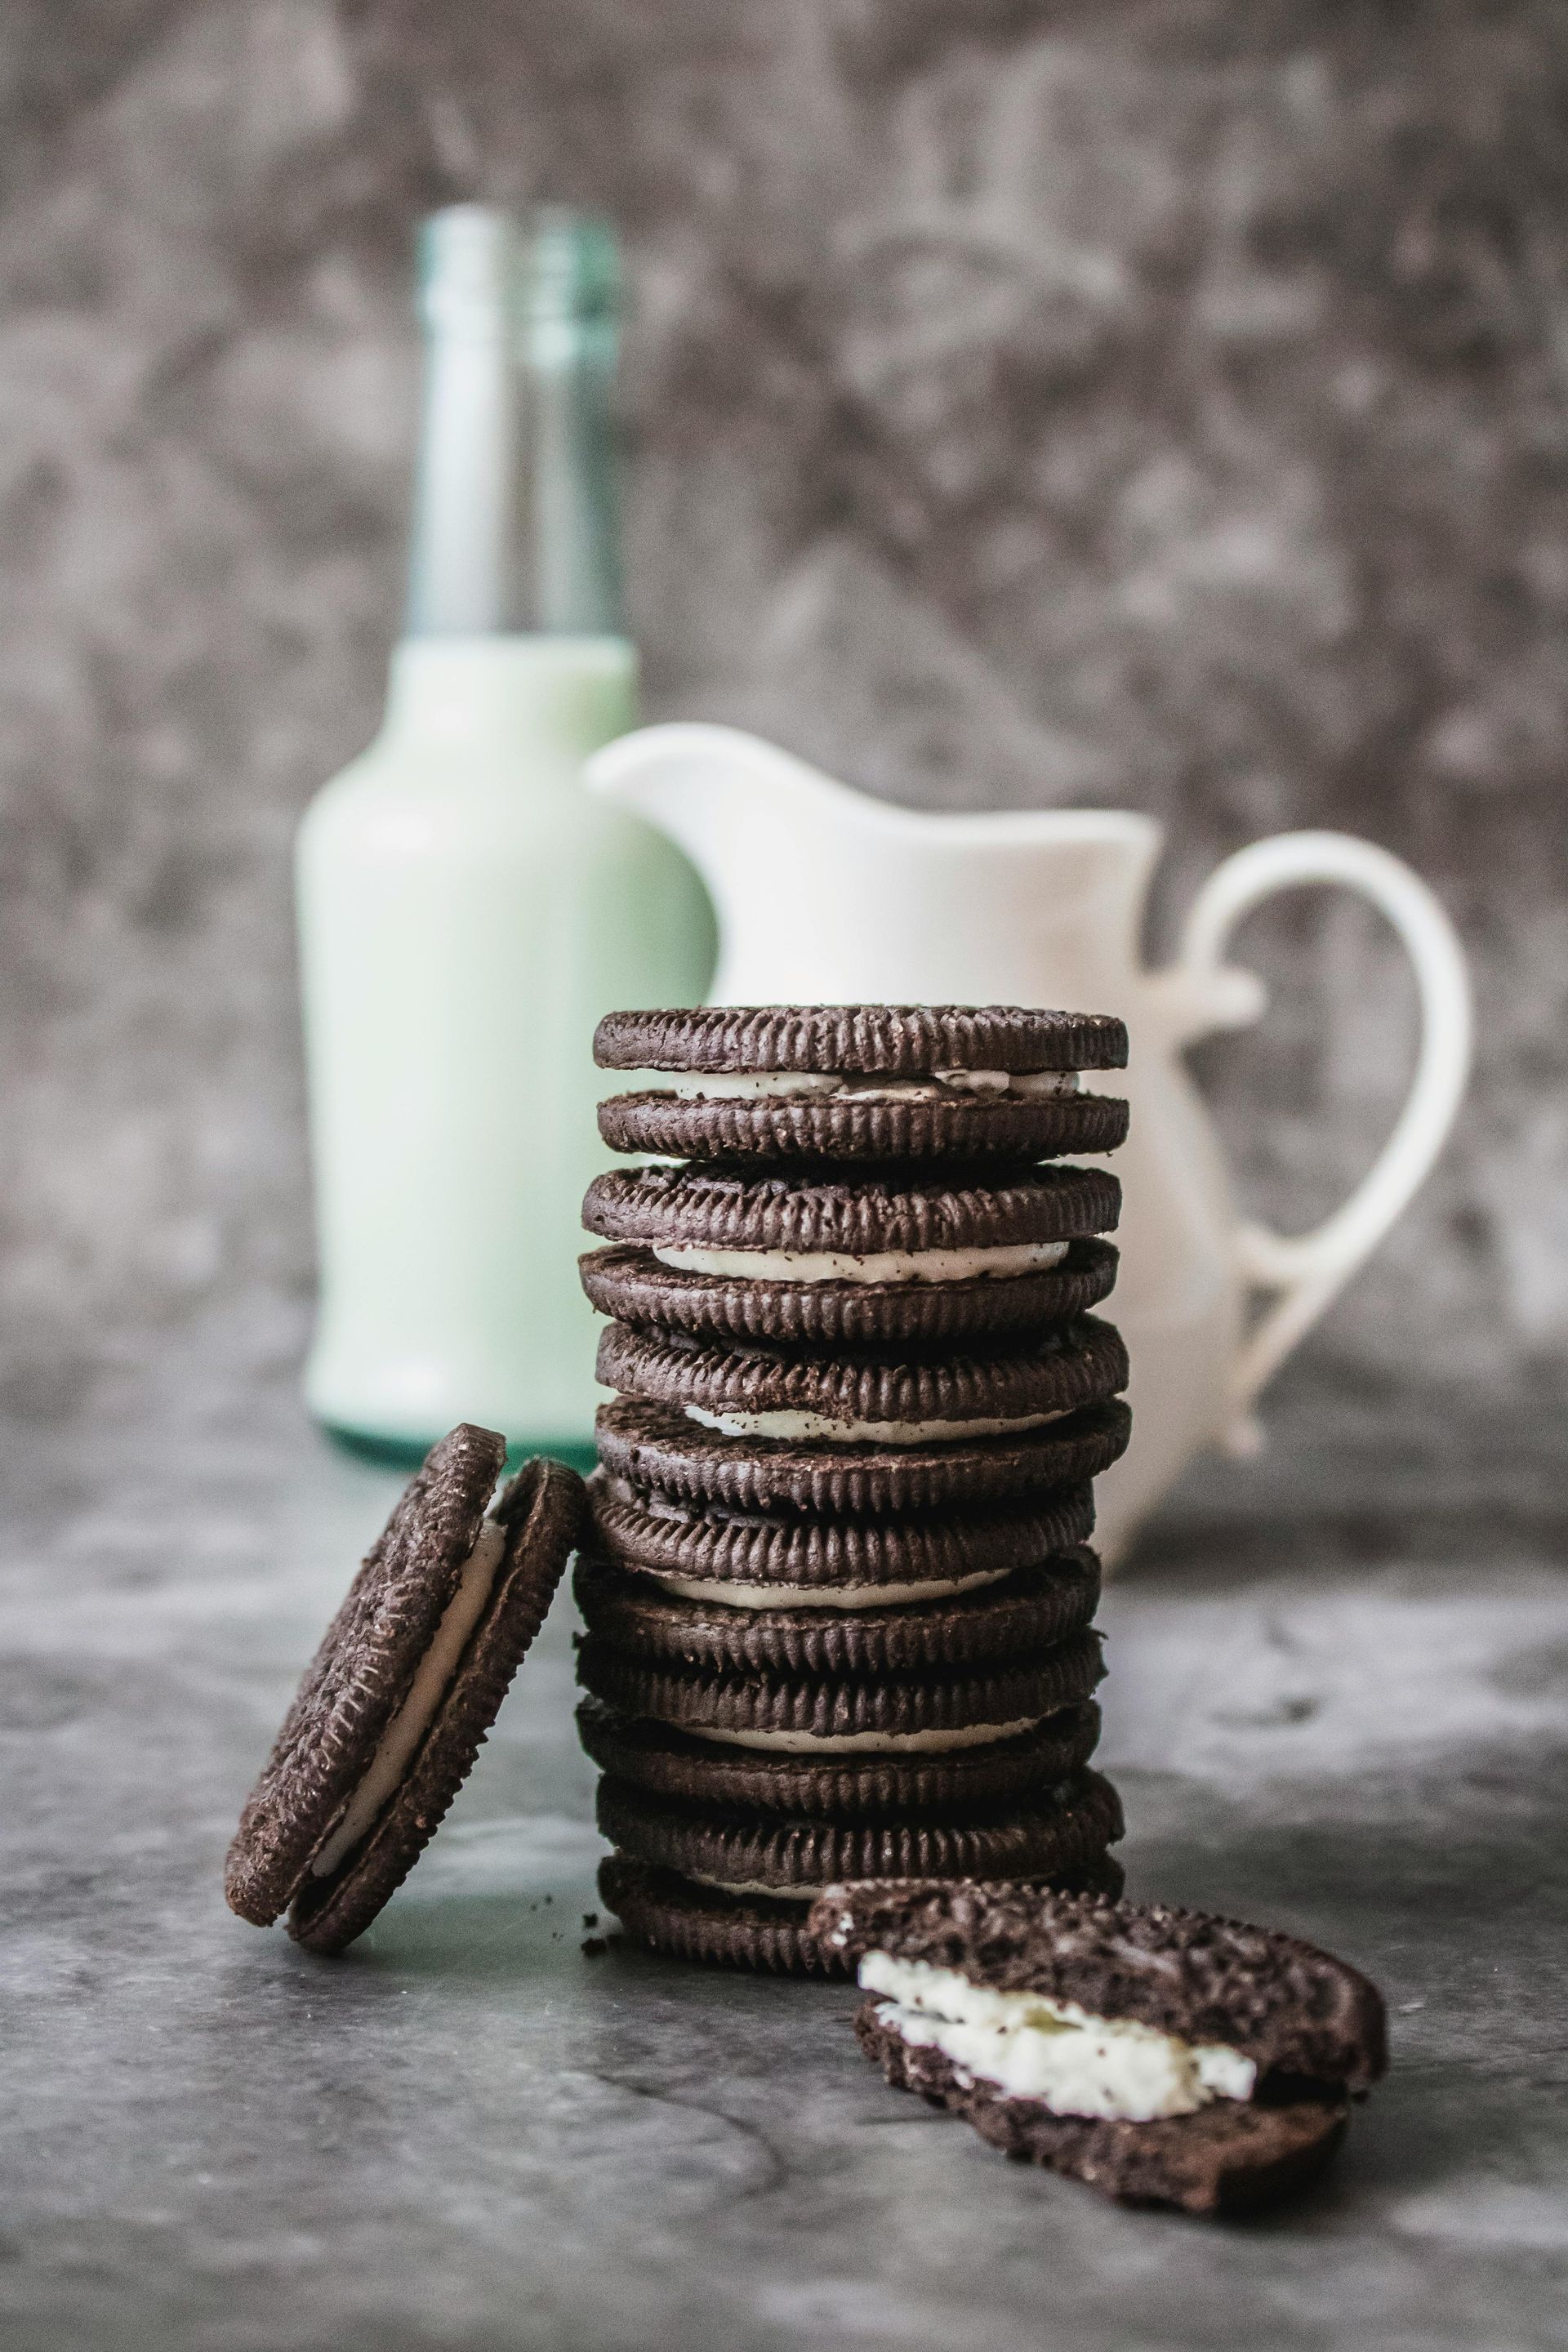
[
  {"x": 825, "y": 1596},
  {"x": 993, "y": 1262},
  {"x": 798, "y": 1427},
  {"x": 869, "y": 1086},
  {"x": 756, "y": 1886},
  {"x": 1033, "y": 2047},
  {"x": 866, "y": 1743},
  {"x": 414, "y": 1717}
]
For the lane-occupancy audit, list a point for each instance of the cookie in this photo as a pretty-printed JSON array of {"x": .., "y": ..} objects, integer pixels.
[
  {"x": 393, "y": 1708},
  {"x": 755, "y": 1392},
  {"x": 688, "y": 1922},
  {"x": 1289, "y": 2008},
  {"x": 657, "y": 1445},
  {"x": 720, "y": 1556},
  {"x": 1014, "y": 1615},
  {"x": 896, "y": 1040},
  {"x": 1165, "y": 2056},
  {"x": 819, "y": 1715},
  {"x": 687, "y": 1770},
  {"x": 1063, "y": 1828},
  {"x": 896, "y": 1226},
  {"x": 1226, "y": 2158},
  {"x": 634, "y": 1286}
]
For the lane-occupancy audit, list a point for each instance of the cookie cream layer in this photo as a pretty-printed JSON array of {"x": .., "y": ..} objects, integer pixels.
[
  {"x": 402, "y": 1735},
  {"x": 992, "y": 1264},
  {"x": 799, "y": 1428},
  {"x": 866, "y": 1743},
  {"x": 743, "y": 1887},
  {"x": 866, "y": 1085},
  {"x": 823, "y": 1596},
  {"x": 1033, "y": 2047}
]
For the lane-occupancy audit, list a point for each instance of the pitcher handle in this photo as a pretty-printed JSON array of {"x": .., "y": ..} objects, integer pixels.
[{"x": 1305, "y": 1271}]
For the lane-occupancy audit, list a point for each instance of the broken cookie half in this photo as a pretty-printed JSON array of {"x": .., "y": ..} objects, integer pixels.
[{"x": 1165, "y": 2057}]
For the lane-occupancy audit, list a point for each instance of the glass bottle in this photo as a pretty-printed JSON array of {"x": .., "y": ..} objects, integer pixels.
[{"x": 466, "y": 910}]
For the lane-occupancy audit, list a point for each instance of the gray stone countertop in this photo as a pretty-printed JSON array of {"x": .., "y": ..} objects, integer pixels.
[{"x": 468, "y": 2133}]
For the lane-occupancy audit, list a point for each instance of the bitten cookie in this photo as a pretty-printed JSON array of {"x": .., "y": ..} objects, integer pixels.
[
  {"x": 1165, "y": 2057},
  {"x": 395, "y": 1704}
]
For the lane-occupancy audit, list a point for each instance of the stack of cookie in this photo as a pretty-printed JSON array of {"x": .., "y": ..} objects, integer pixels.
[{"x": 839, "y": 1598}]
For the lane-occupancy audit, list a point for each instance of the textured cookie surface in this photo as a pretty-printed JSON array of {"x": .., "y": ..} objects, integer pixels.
[
  {"x": 1065, "y": 1829},
  {"x": 656, "y": 1445},
  {"x": 1019, "y": 1615},
  {"x": 631, "y": 1283},
  {"x": 362, "y": 1672},
  {"x": 730, "y": 1208},
  {"x": 1074, "y": 1364},
  {"x": 687, "y": 1770},
  {"x": 1290, "y": 2008},
  {"x": 1224, "y": 2159},
  {"x": 856, "y": 1128},
  {"x": 906, "y": 1040},
  {"x": 641, "y": 1528}
]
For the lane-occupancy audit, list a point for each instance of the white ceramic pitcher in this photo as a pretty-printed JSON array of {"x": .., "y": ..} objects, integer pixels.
[{"x": 826, "y": 896}]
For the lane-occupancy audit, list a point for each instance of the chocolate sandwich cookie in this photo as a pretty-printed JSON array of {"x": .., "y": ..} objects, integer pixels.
[
  {"x": 689, "y": 1769},
  {"x": 659, "y": 1445},
  {"x": 397, "y": 1701},
  {"x": 895, "y": 1261},
  {"x": 737, "y": 1558},
  {"x": 673, "y": 1916},
  {"x": 819, "y": 1715},
  {"x": 866, "y": 1400},
  {"x": 776, "y": 1859},
  {"x": 863, "y": 1082},
  {"x": 1166, "y": 2057},
  {"x": 634, "y": 1286},
  {"x": 1014, "y": 1615}
]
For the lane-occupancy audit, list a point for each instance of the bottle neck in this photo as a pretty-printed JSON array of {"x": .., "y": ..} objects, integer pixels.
[{"x": 516, "y": 526}]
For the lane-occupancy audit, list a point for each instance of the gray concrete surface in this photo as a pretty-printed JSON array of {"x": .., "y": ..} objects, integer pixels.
[{"x": 469, "y": 2134}]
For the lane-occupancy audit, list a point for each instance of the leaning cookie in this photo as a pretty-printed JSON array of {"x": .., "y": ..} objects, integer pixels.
[
  {"x": 1165, "y": 2057},
  {"x": 397, "y": 1701},
  {"x": 862, "y": 1082}
]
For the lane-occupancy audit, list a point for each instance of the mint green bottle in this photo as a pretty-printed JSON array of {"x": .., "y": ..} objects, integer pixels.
[{"x": 466, "y": 910}]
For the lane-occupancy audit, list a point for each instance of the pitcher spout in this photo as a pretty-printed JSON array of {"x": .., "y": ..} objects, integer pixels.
[{"x": 712, "y": 789}]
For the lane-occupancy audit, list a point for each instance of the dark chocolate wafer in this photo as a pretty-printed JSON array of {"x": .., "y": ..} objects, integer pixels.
[
  {"x": 901, "y": 1040},
  {"x": 932, "y": 1123}
]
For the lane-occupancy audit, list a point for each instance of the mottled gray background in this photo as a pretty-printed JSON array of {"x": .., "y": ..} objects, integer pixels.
[{"x": 1156, "y": 404}]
